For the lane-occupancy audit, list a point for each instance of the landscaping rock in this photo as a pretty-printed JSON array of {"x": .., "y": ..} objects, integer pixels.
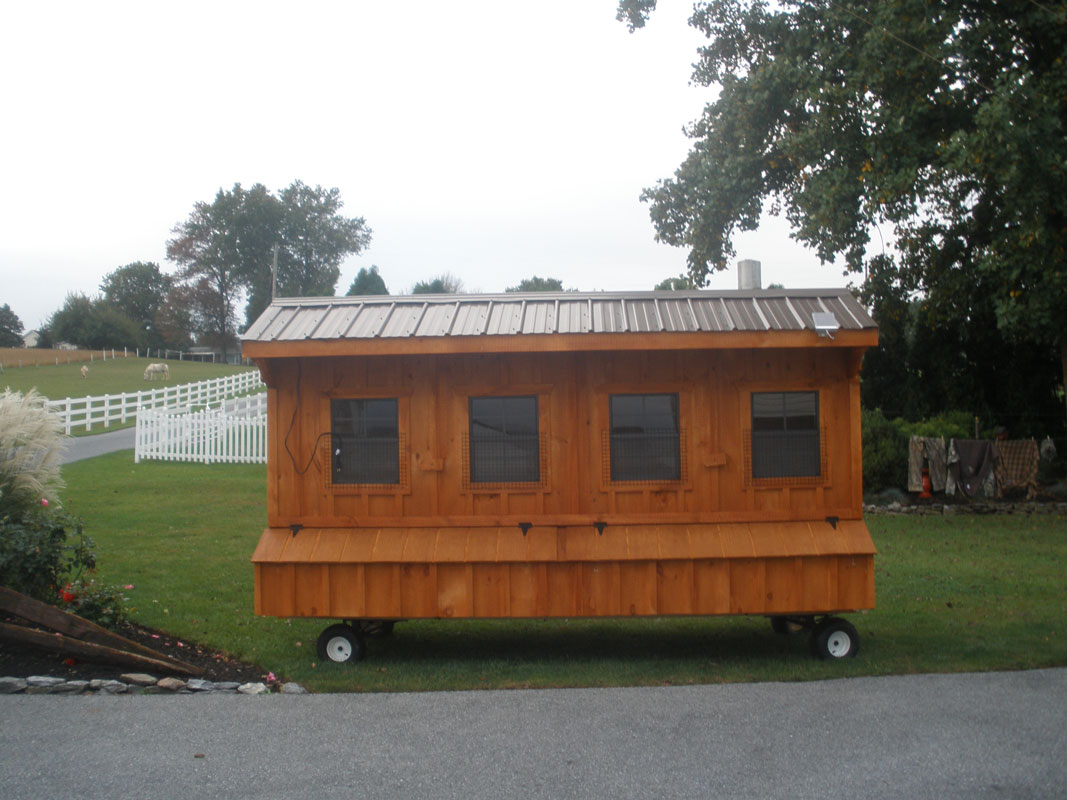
[
  {"x": 43, "y": 681},
  {"x": 252, "y": 688},
  {"x": 226, "y": 686},
  {"x": 200, "y": 685},
  {"x": 108, "y": 686},
  {"x": 171, "y": 684},
  {"x": 139, "y": 679},
  {"x": 12, "y": 685},
  {"x": 70, "y": 687},
  {"x": 293, "y": 688}
]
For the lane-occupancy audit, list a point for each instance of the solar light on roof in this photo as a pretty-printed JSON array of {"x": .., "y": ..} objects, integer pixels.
[{"x": 825, "y": 323}]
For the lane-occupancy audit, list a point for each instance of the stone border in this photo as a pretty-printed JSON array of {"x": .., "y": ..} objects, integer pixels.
[
  {"x": 979, "y": 507},
  {"x": 138, "y": 683}
]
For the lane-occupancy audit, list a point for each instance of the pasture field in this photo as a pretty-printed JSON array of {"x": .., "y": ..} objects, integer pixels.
[
  {"x": 962, "y": 593},
  {"x": 113, "y": 376}
]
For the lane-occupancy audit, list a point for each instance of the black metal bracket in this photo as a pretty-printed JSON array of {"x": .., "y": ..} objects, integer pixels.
[
  {"x": 525, "y": 526},
  {"x": 600, "y": 527},
  {"x": 833, "y": 522},
  {"x": 295, "y": 529}
]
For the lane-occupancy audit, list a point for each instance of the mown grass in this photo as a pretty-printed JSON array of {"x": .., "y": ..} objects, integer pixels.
[
  {"x": 954, "y": 594},
  {"x": 113, "y": 376}
]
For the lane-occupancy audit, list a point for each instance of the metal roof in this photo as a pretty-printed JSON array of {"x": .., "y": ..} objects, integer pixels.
[{"x": 546, "y": 313}]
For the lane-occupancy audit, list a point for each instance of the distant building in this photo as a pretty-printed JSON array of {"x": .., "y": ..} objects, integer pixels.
[{"x": 31, "y": 338}]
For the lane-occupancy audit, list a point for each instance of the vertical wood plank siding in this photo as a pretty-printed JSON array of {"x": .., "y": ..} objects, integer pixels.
[{"x": 714, "y": 542}]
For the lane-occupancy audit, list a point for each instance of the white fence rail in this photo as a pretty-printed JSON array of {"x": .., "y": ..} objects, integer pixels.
[
  {"x": 235, "y": 433},
  {"x": 85, "y": 412}
]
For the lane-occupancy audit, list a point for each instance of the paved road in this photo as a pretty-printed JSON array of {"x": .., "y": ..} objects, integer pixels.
[
  {"x": 98, "y": 444},
  {"x": 998, "y": 735}
]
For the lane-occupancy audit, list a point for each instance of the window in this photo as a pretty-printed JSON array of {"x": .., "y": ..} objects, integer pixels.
[
  {"x": 365, "y": 441},
  {"x": 504, "y": 440},
  {"x": 785, "y": 435},
  {"x": 645, "y": 438}
]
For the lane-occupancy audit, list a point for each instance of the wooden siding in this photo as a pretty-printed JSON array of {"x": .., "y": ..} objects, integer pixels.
[
  {"x": 573, "y": 390},
  {"x": 758, "y": 568}
]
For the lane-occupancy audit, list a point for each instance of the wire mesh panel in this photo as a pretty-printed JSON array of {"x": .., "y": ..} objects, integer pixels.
[
  {"x": 645, "y": 442},
  {"x": 785, "y": 441},
  {"x": 364, "y": 442},
  {"x": 503, "y": 445}
]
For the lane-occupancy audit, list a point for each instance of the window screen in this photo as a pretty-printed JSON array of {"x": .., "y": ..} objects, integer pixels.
[
  {"x": 645, "y": 438},
  {"x": 504, "y": 442},
  {"x": 365, "y": 441},
  {"x": 785, "y": 434}
]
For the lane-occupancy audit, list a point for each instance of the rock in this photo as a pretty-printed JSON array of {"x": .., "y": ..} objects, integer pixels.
[
  {"x": 949, "y": 511},
  {"x": 43, "y": 681},
  {"x": 226, "y": 686},
  {"x": 70, "y": 687},
  {"x": 139, "y": 679},
  {"x": 171, "y": 684},
  {"x": 293, "y": 688},
  {"x": 200, "y": 685},
  {"x": 154, "y": 690},
  {"x": 108, "y": 686},
  {"x": 40, "y": 690},
  {"x": 252, "y": 688},
  {"x": 12, "y": 685}
]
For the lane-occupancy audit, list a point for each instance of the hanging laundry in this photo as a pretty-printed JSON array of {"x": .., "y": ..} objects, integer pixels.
[
  {"x": 1017, "y": 465},
  {"x": 972, "y": 468},
  {"x": 931, "y": 452},
  {"x": 1048, "y": 449}
]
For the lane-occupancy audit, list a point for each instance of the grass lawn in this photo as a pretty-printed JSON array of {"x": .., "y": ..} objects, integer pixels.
[
  {"x": 113, "y": 376},
  {"x": 954, "y": 594}
]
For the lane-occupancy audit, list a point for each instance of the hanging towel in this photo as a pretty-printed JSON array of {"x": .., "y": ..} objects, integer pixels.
[
  {"x": 1017, "y": 465},
  {"x": 928, "y": 451},
  {"x": 971, "y": 468}
]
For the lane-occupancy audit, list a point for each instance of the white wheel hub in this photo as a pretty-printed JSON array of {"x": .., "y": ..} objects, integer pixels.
[
  {"x": 838, "y": 644},
  {"x": 339, "y": 649}
]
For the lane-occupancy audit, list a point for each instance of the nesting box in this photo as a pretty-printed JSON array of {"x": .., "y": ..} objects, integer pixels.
[{"x": 564, "y": 455}]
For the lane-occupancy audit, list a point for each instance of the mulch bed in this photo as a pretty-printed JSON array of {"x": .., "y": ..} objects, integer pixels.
[{"x": 21, "y": 661}]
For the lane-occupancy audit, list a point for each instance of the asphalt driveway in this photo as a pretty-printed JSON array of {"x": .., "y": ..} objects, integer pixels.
[{"x": 995, "y": 735}]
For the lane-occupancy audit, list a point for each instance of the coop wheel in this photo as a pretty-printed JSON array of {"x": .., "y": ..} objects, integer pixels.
[
  {"x": 835, "y": 638},
  {"x": 340, "y": 644}
]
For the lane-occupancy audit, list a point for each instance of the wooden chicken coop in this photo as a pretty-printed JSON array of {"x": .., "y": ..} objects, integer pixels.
[{"x": 564, "y": 455}]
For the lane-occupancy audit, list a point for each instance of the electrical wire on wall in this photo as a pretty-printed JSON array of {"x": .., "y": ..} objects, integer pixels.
[{"x": 292, "y": 423}]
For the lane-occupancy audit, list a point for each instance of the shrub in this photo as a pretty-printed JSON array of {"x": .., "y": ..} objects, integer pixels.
[
  {"x": 31, "y": 442},
  {"x": 885, "y": 452},
  {"x": 101, "y": 603},
  {"x": 37, "y": 556}
]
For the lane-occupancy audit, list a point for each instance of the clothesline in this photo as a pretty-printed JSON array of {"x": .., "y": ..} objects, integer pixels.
[{"x": 975, "y": 467}]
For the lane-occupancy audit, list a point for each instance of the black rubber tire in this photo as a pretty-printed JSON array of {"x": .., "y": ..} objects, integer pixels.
[
  {"x": 835, "y": 638},
  {"x": 341, "y": 644}
]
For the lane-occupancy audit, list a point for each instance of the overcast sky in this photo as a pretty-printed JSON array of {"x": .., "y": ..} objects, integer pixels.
[{"x": 492, "y": 140}]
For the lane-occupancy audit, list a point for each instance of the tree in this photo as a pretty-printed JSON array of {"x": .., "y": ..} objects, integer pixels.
[
  {"x": 536, "y": 284},
  {"x": 218, "y": 247},
  {"x": 679, "y": 284},
  {"x": 315, "y": 239},
  {"x": 944, "y": 123},
  {"x": 367, "y": 282},
  {"x": 445, "y": 283},
  {"x": 94, "y": 323},
  {"x": 10, "y": 327},
  {"x": 138, "y": 290}
]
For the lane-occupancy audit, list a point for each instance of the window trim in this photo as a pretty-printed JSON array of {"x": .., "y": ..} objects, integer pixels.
[
  {"x": 541, "y": 399},
  {"x": 823, "y": 477},
  {"x": 603, "y": 395},
  {"x": 403, "y": 485}
]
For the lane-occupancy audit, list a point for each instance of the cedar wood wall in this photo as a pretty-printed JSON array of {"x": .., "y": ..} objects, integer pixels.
[{"x": 713, "y": 388}]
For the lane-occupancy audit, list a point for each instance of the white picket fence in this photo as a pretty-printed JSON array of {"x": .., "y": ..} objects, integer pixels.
[
  {"x": 85, "y": 412},
  {"x": 234, "y": 433}
]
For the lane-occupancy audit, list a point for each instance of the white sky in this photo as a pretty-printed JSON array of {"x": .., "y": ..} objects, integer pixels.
[{"x": 493, "y": 140}]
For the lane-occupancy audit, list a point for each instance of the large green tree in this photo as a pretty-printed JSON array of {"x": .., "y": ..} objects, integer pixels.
[
  {"x": 10, "y": 327},
  {"x": 367, "y": 281},
  {"x": 536, "y": 284},
  {"x": 94, "y": 323},
  {"x": 445, "y": 283},
  {"x": 138, "y": 290},
  {"x": 942, "y": 126}
]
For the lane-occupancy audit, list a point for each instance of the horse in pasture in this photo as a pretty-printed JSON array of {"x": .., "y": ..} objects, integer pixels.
[{"x": 157, "y": 369}]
